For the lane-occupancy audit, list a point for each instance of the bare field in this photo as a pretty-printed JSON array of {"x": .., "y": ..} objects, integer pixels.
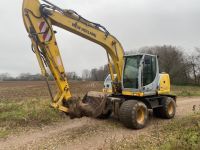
[
  {"x": 20, "y": 90},
  {"x": 30, "y": 89},
  {"x": 27, "y": 121}
]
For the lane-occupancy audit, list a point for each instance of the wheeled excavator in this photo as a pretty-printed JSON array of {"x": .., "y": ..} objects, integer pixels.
[{"x": 137, "y": 88}]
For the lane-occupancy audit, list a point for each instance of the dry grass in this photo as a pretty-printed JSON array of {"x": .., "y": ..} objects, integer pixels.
[
  {"x": 26, "y": 114},
  {"x": 186, "y": 90}
]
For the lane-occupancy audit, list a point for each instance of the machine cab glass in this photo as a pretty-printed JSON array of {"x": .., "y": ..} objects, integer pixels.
[
  {"x": 131, "y": 71},
  {"x": 139, "y": 71},
  {"x": 149, "y": 70}
]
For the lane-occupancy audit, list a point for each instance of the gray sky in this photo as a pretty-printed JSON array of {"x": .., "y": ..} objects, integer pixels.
[{"x": 136, "y": 23}]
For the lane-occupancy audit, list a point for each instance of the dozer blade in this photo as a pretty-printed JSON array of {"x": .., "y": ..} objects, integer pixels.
[{"x": 92, "y": 105}]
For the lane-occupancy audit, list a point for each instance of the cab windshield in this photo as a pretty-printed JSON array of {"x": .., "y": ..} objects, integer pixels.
[{"x": 131, "y": 71}]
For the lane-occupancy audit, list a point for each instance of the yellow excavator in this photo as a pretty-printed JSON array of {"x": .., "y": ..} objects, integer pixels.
[{"x": 137, "y": 88}]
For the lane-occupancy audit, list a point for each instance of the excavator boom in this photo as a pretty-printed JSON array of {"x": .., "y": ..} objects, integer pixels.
[{"x": 39, "y": 20}]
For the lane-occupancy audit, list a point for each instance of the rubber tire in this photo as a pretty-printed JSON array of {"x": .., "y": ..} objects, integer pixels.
[
  {"x": 106, "y": 115},
  {"x": 163, "y": 111},
  {"x": 128, "y": 113}
]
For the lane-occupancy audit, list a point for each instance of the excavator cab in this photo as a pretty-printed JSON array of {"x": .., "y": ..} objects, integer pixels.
[{"x": 140, "y": 75}]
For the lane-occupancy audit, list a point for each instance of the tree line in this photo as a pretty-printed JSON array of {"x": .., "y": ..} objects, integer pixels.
[
  {"x": 35, "y": 77},
  {"x": 183, "y": 67}
]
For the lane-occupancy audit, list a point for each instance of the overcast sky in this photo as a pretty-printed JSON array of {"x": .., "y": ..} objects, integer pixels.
[{"x": 136, "y": 23}]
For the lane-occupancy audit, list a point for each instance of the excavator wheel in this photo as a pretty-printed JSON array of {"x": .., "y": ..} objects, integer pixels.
[
  {"x": 168, "y": 109},
  {"x": 133, "y": 114}
]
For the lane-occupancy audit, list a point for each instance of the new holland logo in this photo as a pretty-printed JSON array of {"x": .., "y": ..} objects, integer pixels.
[{"x": 45, "y": 31}]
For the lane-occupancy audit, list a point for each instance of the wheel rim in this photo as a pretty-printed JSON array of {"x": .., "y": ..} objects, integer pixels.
[
  {"x": 170, "y": 108},
  {"x": 140, "y": 115}
]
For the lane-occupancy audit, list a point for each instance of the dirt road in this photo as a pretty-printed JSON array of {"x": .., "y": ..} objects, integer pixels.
[{"x": 87, "y": 133}]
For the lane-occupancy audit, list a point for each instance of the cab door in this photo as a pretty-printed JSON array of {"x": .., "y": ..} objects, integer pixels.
[{"x": 150, "y": 75}]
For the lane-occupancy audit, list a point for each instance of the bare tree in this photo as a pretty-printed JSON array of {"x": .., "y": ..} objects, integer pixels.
[
  {"x": 99, "y": 74},
  {"x": 171, "y": 60},
  {"x": 86, "y": 74},
  {"x": 5, "y": 76},
  {"x": 194, "y": 60},
  {"x": 72, "y": 76}
]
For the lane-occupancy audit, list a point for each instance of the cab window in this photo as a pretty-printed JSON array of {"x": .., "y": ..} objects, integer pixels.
[
  {"x": 149, "y": 69},
  {"x": 131, "y": 71}
]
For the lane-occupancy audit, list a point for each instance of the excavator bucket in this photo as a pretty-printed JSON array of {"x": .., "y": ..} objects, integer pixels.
[{"x": 92, "y": 105}]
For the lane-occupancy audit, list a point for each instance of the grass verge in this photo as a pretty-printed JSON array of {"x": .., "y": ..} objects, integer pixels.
[
  {"x": 181, "y": 134},
  {"x": 185, "y": 90},
  {"x": 30, "y": 113}
]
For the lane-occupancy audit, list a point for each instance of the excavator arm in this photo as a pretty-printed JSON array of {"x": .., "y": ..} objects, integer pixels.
[{"x": 39, "y": 20}]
